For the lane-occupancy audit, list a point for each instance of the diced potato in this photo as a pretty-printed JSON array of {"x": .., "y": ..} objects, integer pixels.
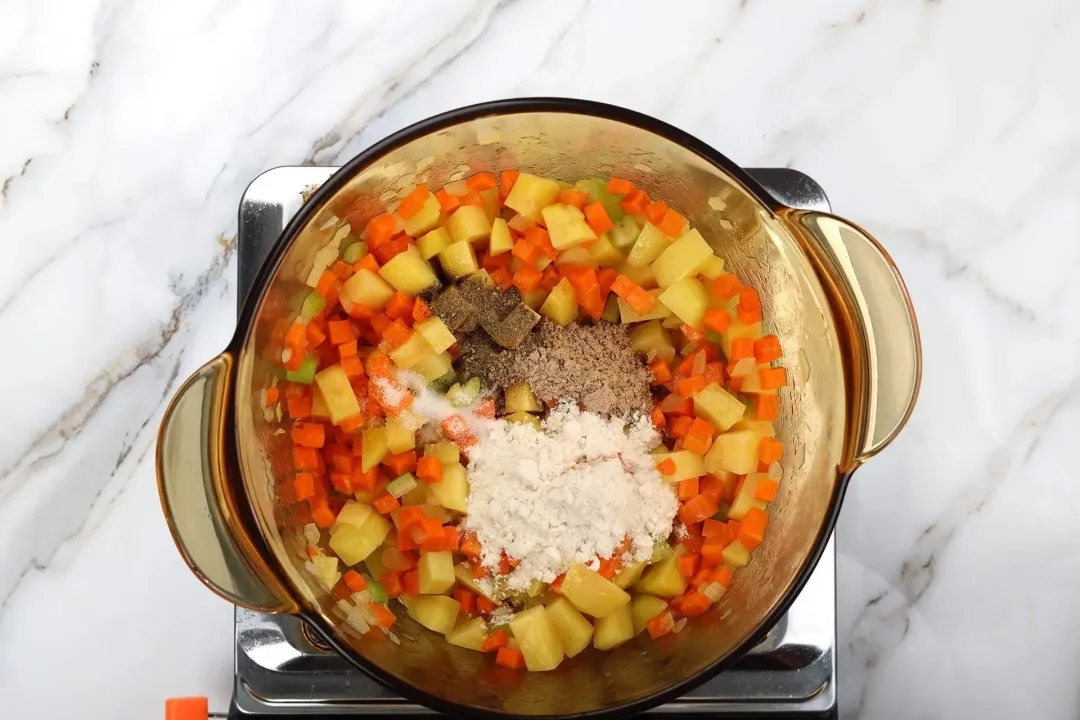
[
  {"x": 414, "y": 350},
  {"x": 624, "y": 233},
  {"x": 745, "y": 498},
  {"x": 319, "y": 408},
  {"x": 649, "y": 336},
  {"x": 687, "y": 299},
  {"x": 573, "y": 629},
  {"x": 419, "y": 495},
  {"x": 336, "y": 392},
  {"x": 659, "y": 311},
  {"x": 611, "y": 310},
  {"x": 463, "y": 575},
  {"x": 523, "y": 418},
  {"x": 687, "y": 465},
  {"x": 491, "y": 202},
  {"x": 433, "y": 243},
  {"x": 500, "y": 242},
  {"x": 436, "y": 333},
  {"x": 426, "y": 218},
  {"x": 470, "y": 634},
  {"x": 459, "y": 260},
  {"x": 759, "y": 426},
  {"x": 453, "y": 492},
  {"x": 368, "y": 289},
  {"x": 712, "y": 268},
  {"x": 354, "y": 542},
  {"x": 651, "y": 241},
  {"x": 576, "y": 255},
  {"x": 447, "y": 452},
  {"x": 663, "y": 579},
  {"x": 538, "y": 641},
  {"x": 614, "y": 629},
  {"x": 535, "y": 299},
  {"x": 354, "y": 513},
  {"x": 520, "y": 397},
  {"x": 628, "y": 575},
  {"x": 718, "y": 406},
  {"x": 400, "y": 435},
  {"x": 409, "y": 272},
  {"x": 566, "y": 225},
  {"x": 604, "y": 254},
  {"x": 735, "y": 452},
  {"x": 469, "y": 223},
  {"x": 531, "y": 194},
  {"x": 644, "y": 608},
  {"x": 561, "y": 304},
  {"x": 736, "y": 555},
  {"x": 436, "y": 571},
  {"x": 642, "y": 276},
  {"x": 738, "y": 329},
  {"x": 433, "y": 367},
  {"x": 681, "y": 259},
  {"x": 437, "y": 613},
  {"x": 590, "y": 592},
  {"x": 373, "y": 447}
]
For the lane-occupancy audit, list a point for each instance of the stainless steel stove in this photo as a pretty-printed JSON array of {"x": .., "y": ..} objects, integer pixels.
[{"x": 282, "y": 671}]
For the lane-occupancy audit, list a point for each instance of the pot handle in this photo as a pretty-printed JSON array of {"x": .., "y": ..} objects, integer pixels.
[
  {"x": 879, "y": 317},
  {"x": 194, "y": 461}
]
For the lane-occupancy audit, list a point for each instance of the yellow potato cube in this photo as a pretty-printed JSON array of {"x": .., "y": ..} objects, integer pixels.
[
  {"x": 738, "y": 329},
  {"x": 649, "y": 244},
  {"x": 453, "y": 492},
  {"x": 336, "y": 392},
  {"x": 446, "y": 451},
  {"x": 367, "y": 289},
  {"x": 681, "y": 259},
  {"x": 718, "y": 406},
  {"x": 650, "y": 336},
  {"x": 436, "y": 333},
  {"x": 519, "y": 397},
  {"x": 537, "y": 639},
  {"x": 566, "y": 225},
  {"x": 409, "y": 272},
  {"x": 687, "y": 299},
  {"x": 463, "y": 575},
  {"x": 426, "y": 218},
  {"x": 663, "y": 579},
  {"x": 470, "y": 634},
  {"x": 353, "y": 543},
  {"x": 436, "y": 572},
  {"x": 400, "y": 434},
  {"x": 687, "y": 465},
  {"x": 644, "y": 608},
  {"x": 735, "y": 452},
  {"x": 561, "y": 304},
  {"x": 573, "y": 629},
  {"x": 469, "y": 223},
  {"x": 319, "y": 408},
  {"x": 437, "y": 613},
  {"x": 628, "y": 575},
  {"x": 433, "y": 367},
  {"x": 433, "y": 243},
  {"x": 373, "y": 447},
  {"x": 459, "y": 260},
  {"x": 614, "y": 629},
  {"x": 524, "y": 418},
  {"x": 590, "y": 592},
  {"x": 535, "y": 299},
  {"x": 642, "y": 276},
  {"x": 414, "y": 350},
  {"x": 500, "y": 242},
  {"x": 531, "y": 194},
  {"x": 712, "y": 268},
  {"x": 736, "y": 555},
  {"x": 604, "y": 254}
]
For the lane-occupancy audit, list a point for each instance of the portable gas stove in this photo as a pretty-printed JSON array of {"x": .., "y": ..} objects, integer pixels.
[{"x": 282, "y": 671}]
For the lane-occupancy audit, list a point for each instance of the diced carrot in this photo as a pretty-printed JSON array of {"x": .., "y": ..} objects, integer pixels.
[
  {"x": 712, "y": 487},
  {"x": 304, "y": 485},
  {"x": 385, "y": 504},
  {"x": 341, "y": 331},
  {"x": 767, "y": 408},
  {"x": 509, "y": 658},
  {"x": 606, "y": 278},
  {"x": 309, "y": 434},
  {"x": 485, "y": 408},
  {"x": 298, "y": 407},
  {"x": 691, "y": 333},
  {"x": 741, "y": 348},
  {"x": 321, "y": 514},
  {"x": 767, "y": 349},
  {"x": 714, "y": 373},
  {"x": 353, "y": 366},
  {"x": 470, "y": 546},
  {"x": 480, "y": 181},
  {"x": 685, "y": 406},
  {"x": 380, "y": 229},
  {"x": 749, "y": 316},
  {"x": 342, "y": 482},
  {"x": 573, "y": 197},
  {"x": 722, "y": 575},
  {"x": 556, "y": 584},
  {"x": 354, "y": 581},
  {"x": 770, "y": 450},
  {"x": 659, "y": 420},
  {"x": 660, "y": 625},
  {"x": 502, "y": 279},
  {"x": 766, "y": 490},
  {"x": 700, "y": 428},
  {"x": 697, "y": 509},
  {"x": 551, "y": 278},
  {"x": 640, "y": 301},
  {"x": 315, "y": 334},
  {"x": 672, "y": 223},
  {"x": 661, "y": 372},
  {"x": 717, "y": 319},
  {"x": 405, "y": 543},
  {"x": 690, "y": 385},
  {"x": 327, "y": 281},
  {"x": 397, "y": 334},
  {"x": 598, "y": 219},
  {"x": 421, "y": 311},
  {"x": 399, "y": 307},
  {"x": 635, "y": 202},
  {"x": 484, "y": 605},
  {"x": 687, "y": 565},
  {"x": 410, "y": 583},
  {"x": 296, "y": 338},
  {"x": 447, "y": 203},
  {"x": 391, "y": 249},
  {"x": 752, "y": 527},
  {"x": 472, "y": 198},
  {"x": 450, "y": 534},
  {"x": 347, "y": 349},
  {"x": 272, "y": 395},
  {"x": 401, "y": 462},
  {"x": 712, "y": 550},
  {"x": 655, "y": 211},
  {"x": 688, "y": 488},
  {"x": 619, "y": 186},
  {"x": 383, "y": 614},
  {"x": 527, "y": 278},
  {"x": 701, "y": 576},
  {"x": 342, "y": 269},
  {"x": 667, "y": 467},
  {"x": 507, "y": 178},
  {"x": 429, "y": 469},
  {"x": 748, "y": 298},
  {"x": 726, "y": 285},
  {"x": 466, "y": 599},
  {"x": 694, "y": 603},
  {"x": 525, "y": 251},
  {"x": 540, "y": 237},
  {"x": 608, "y": 567},
  {"x": 494, "y": 641},
  {"x": 305, "y": 458},
  {"x": 773, "y": 378},
  {"x": 713, "y": 528},
  {"x": 623, "y": 286},
  {"x": 368, "y": 262},
  {"x": 491, "y": 263},
  {"x": 680, "y": 426},
  {"x": 413, "y": 202}
]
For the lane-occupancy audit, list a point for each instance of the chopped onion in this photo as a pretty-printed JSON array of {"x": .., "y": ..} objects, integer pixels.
[
  {"x": 742, "y": 368},
  {"x": 679, "y": 626},
  {"x": 776, "y": 472},
  {"x": 395, "y": 560},
  {"x": 698, "y": 368},
  {"x": 393, "y": 637},
  {"x": 713, "y": 591},
  {"x": 312, "y": 534},
  {"x": 671, "y": 402},
  {"x": 357, "y": 621},
  {"x": 361, "y": 598},
  {"x": 401, "y": 485},
  {"x": 344, "y": 606}
]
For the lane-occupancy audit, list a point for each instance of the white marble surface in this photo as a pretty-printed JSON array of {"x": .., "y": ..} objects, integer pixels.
[{"x": 128, "y": 131}]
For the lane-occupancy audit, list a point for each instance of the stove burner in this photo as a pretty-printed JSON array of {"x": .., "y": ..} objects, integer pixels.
[{"x": 283, "y": 670}]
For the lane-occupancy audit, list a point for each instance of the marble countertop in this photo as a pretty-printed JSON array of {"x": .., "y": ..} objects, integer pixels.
[{"x": 128, "y": 131}]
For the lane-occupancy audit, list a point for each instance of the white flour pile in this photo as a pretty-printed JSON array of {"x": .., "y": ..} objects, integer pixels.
[{"x": 566, "y": 495}]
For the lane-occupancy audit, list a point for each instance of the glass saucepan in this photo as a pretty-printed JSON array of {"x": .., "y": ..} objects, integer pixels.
[{"x": 828, "y": 290}]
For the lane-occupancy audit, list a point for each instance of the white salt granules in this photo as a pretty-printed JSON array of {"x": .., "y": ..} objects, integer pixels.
[{"x": 569, "y": 494}]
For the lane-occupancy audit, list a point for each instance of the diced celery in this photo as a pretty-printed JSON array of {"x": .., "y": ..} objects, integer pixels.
[
  {"x": 597, "y": 191},
  {"x": 306, "y": 372},
  {"x": 313, "y": 305},
  {"x": 463, "y": 395},
  {"x": 402, "y": 484},
  {"x": 378, "y": 592},
  {"x": 354, "y": 252}
]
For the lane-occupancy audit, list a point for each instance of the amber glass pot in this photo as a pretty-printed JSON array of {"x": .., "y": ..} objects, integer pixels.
[{"x": 828, "y": 290}]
